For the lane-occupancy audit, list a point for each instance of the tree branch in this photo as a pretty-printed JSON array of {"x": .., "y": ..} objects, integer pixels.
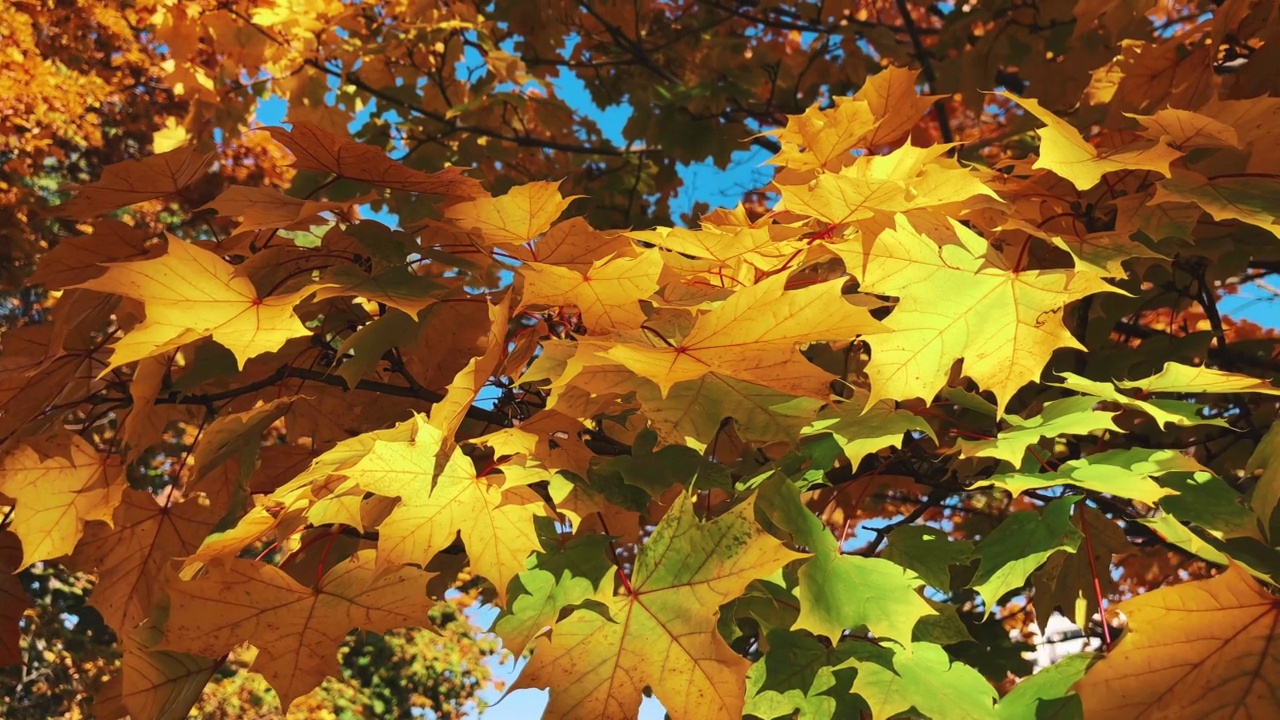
[{"x": 926, "y": 67}]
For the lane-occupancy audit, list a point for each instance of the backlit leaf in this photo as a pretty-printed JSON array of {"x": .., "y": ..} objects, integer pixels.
[
  {"x": 1199, "y": 649},
  {"x": 661, "y": 632},
  {"x": 59, "y": 485},
  {"x": 1066, "y": 153},
  {"x": 190, "y": 293},
  {"x": 1021, "y": 544},
  {"x": 134, "y": 181},
  {"x": 296, "y": 629}
]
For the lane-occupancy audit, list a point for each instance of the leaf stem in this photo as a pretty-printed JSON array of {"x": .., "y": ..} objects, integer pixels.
[
  {"x": 1097, "y": 584},
  {"x": 613, "y": 546}
]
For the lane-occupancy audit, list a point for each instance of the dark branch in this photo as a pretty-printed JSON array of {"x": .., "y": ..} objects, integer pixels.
[{"x": 926, "y": 67}]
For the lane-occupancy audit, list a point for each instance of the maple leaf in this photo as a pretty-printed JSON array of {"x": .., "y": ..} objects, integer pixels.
[
  {"x": 521, "y": 215},
  {"x": 315, "y": 148},
  {"x": 263, "y": 208},
  {"x": 132, "y": 555},
  {"x": 190, "y": 293},
  {"x": 494, "y": 522},
  {"x": 1021, "y": 310},
  {"x": 1247, "y": 199},
  {"x": 35, "y": 374},
  {"x": 875, "y": 428},
  {"x": 910, "y": 178},
  {"x": 1165, "y": 412},
  {"x": 59, "y": 484},
  {"x": 1123, "y": 472},
  {"x": 753, "y": 336},
  {"x": 153, "y": 683},
  {"x": 1199, "y": 649},
  {"x": 1047, "y": 694},
  {"x": 660, "y": 632},
  {"x": 798, "y": 673},
  {"x": 1066, "y": 580},
  {"x": 1069, "y": 155},
  {"x": 398, "y": 287},
  {"x": 134, "y": 181},
  {"x": 1185, "y": 379},
  {"x": 1185, "y": 129},
  {"x": 825, "y": 135},
  {"x": 927, "y": 551},
  {"x": 894, "y": 102},
  {"x": 1265, "y": 461},
  {"x": 693, "y": 412},
  {"x": 81, "y": 257},
  {"x": 607, "y": 294},
  {"x": 894, "y": 679},
  {"x": 723, "y": 247},
  {"x": 14, "y": 600},
  {"x": 1021, "y": 544},
  {"x": 233, "y": 434},
  {"x": 563, "y": 577},
  {"x": 1067, "y": 416},
  {"x": 573, "y": 244},
  {"x": 296, "y": 629},
  {"x": 839, "y": 592}
]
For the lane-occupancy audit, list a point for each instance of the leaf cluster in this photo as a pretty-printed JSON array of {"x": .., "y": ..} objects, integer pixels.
[{"x": 841, "y": 450}]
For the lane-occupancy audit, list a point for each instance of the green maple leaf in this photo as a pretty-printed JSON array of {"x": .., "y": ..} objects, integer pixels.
[
  {"x": 1021, "y": 544},
  {"x": 1163, "y": 411},
  {"x": 799, "y": 674},
  {"x": 928, "y": 551},
  {"x": 843, "y": 592},
  {"x": 894, "y": 679},
  {"x": 875, "y": 428},
  {"x": 1124, "y": 472},
  {"x": 1067, "y": 416},
  {"x": 1066, "y": 579},
  {"x": 1047, "y": 695}
]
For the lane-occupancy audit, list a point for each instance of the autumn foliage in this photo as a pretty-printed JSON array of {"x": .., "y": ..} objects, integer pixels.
[{"x": 958, "y": 364}]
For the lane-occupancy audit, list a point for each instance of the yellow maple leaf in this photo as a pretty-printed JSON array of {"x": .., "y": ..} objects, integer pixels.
[
  {"x": 58, "y": 484},
  {"x": 1205, "y": 649},
  {"x": 826, "y": 135},
  {"x": 81, "y": 257},
  {"x": 296, "y": 629},
  {"x": 1004, "y": 323},
  {"x": 1185, "y": 129},
  {"x": 661, "y": 630},
  {"x": 1185, "y": 379},
  {"x": 894, "y": 101},
  {"x": 1247, "y": 199},
  {"x": 909, "y": 178},
  {"x": 754, "y": 336},
  {"x": 1066, "y": 153},
  {"x": 573, "y": 244},
  {"x": 607, "y": 294},
  {"x": 524, "y": 213},
  {"x": 710, "y": 243},
  {"x": 494, "y": 522},
  {"x": 190, "y": 293}
]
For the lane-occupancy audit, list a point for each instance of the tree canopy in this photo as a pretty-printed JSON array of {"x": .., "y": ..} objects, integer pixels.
[{"x": 287, "y": 396}]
